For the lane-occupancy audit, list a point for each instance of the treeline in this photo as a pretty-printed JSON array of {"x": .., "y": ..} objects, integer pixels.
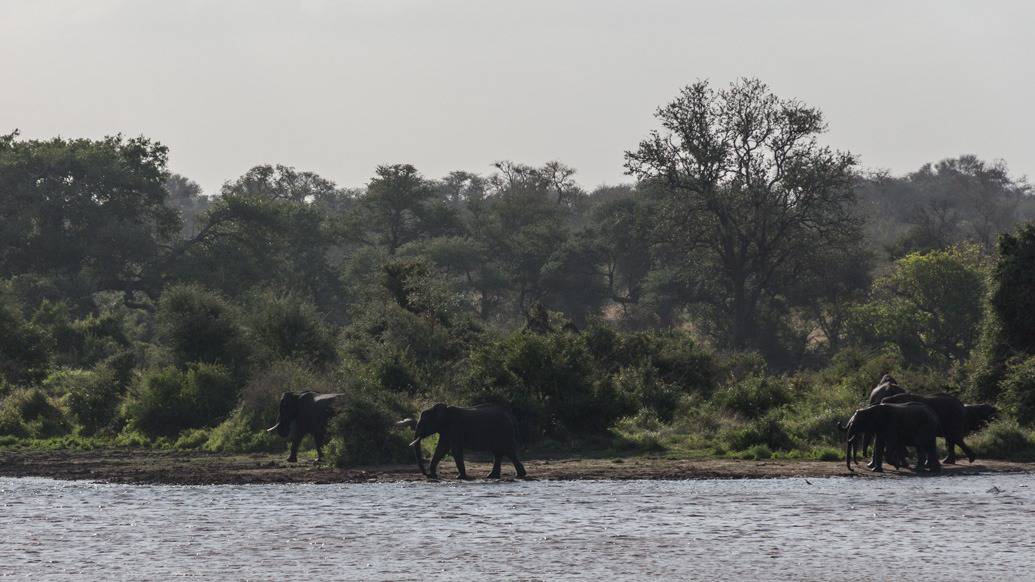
[{"x": 744, "y": 290}]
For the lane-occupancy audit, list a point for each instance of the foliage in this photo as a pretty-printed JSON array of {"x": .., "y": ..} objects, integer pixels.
[
  {"x": 31, "y": 413},
  {"x": 200, "y": 326},
  {"x": 92, "y": 399},
  {"x": 164, "y": 402},
  {"x": 363, "y": 430},
  {"x": 1004, "y": 439},
  {"x": 286, "y": 327},
  {"x": 930, "y": 305},
  {"x": 744, "y": 190}
]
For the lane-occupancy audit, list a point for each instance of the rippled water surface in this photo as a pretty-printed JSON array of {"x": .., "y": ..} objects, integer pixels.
[{"x": 975, "y": 528}]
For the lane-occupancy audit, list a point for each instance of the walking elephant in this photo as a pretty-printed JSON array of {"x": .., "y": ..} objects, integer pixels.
[
  {"x": 304, "y": 413},
  {"x": 485, "y": 427},
  {"x": 895, "y": 426},
  {"x": 951, "y": 420}
]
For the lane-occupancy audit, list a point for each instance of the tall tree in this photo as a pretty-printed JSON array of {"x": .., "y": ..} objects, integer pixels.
[
  {"x": 746, "y": 190},
  {"x": 85, "y": 210}
]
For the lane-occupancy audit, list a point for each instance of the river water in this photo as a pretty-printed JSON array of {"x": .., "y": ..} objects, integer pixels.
[{"x": 957, "y": 528}]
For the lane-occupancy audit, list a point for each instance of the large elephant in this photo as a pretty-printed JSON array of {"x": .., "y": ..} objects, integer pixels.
[
  {"x": 895, "y": 426},
  {"x": 485, "y": 427},
  {"x": 951, "y": 420},
  {"x": 976, "y": 416},
  {"x": 304, "y": 413},
  {"x": 887, "y": 386}
]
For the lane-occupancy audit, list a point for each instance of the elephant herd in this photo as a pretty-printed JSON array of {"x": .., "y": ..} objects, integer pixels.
[{"x": 894, "y": 421}]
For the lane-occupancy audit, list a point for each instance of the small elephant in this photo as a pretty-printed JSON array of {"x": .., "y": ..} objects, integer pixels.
[
  {"x": 895, "y": 426},
  {"x": 485, "y": 427},
  {"x": 951, "y": 419},
  {"x": 304, "y": 413},
  {"x": 976, "y": 416},
  {"x": 887, "y": 386}
]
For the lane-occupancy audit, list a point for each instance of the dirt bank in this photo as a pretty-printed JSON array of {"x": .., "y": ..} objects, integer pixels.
[{"x": 197, "y": 468}]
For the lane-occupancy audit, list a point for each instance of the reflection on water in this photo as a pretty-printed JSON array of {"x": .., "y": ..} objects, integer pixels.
[{"x": 977, "y": 528}]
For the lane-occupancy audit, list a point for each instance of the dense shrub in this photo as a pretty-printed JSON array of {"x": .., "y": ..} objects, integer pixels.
[
  {"x": 285, "y": 327},
  {"x": 200, "y": 326},
  {"x": 1004, "y": 439},
  {"x": 166, "y": 401},
  {"x": 551, "y": 381},
  {"x": 363, "y": 430},
  {"x": 753, "y": 396},
  {"x": 24, "y": 347},
  {"x": 30, "y": 413},
  {"x": 766, "y": 431},
  {"x": 92, "y": 400},
  {"x": 1017, "y": 394},
  {"x": 644, "y": 386}
]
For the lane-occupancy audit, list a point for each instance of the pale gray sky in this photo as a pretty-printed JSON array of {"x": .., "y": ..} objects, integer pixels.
[{"x": 339, "y": 87}]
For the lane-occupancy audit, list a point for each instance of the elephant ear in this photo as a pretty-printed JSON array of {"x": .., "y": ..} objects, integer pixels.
[{"x": 440, "y": 411}]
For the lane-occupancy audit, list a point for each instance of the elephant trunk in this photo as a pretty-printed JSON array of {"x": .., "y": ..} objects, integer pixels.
[{"x": 419, "y": 455}]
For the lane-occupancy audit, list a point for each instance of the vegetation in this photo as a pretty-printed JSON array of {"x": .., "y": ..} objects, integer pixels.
[{"x": 742, "y": 295}]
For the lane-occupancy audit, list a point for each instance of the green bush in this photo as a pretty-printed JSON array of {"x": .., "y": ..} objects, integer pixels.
[
  {"x": 363, "y": 430},
  {"x": 754, "y": 396},
  {"x": 756, "y": 453},
  {"x": 1017, "y": 390},
  {"x": 92, "y": 400},
  {"x": 200, "y": 326},
  {"x": 30, "y": 413},
  {"x": 550, "y": 381},
  {"x": 643, "y": 385},
  {"x": 285, "y": 327},
  {"x": 767, "y": 431},
  {"x": 168, "y": 400},
  {"x": 192, "y": 438},
  {"x": 1004, "y": 439}
]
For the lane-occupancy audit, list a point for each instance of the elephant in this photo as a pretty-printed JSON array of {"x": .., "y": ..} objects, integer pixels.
[
  {"x": 895, "y": 426},
  {"x": 485, "y": 427},
  {"x": 976, "y": 416},
  {"x": 304, "y": 413},
  {"x": 951, "y": 419},
  {"x": 887, "y": 386}
]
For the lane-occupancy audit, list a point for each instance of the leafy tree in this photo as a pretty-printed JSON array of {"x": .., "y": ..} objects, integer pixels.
[
  {"x": 186, "y": 197},
  {"x": 399, "y": 208},
  {"x": 930, "y": 305},
  {"x": 82, "y": 209},
  {"x": 745, "y": 190},
  {"x": 199, "y": 325}
]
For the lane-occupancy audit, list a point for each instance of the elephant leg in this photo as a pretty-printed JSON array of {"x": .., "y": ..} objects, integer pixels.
[
  {"x": 966, "y": 450},
  {"x": 296, "y": 440},
  {"x": 319, "y": 439},
  {"x": 436, "y": 458},
  {"x": 496, "y": 460},
  {"x": 517, "y": 464},
  {"x": 932, "y": 457},
  {"x": 877, "y": 465},
  {"x": 458, "y": 458}
]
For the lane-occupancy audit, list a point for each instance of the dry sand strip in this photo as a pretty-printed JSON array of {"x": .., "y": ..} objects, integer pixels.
[{"x": 197, "y": 468}]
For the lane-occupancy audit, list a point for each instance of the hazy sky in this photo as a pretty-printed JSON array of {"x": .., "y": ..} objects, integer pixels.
[{"x": 339, "y": 87}]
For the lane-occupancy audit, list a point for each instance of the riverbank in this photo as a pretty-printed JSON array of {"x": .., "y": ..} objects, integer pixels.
[{"x": 146, "y": 466}]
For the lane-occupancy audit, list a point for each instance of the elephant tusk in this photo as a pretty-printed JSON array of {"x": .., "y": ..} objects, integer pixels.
[
  {"x": 414, "y": 443},
  {"x": 407, "y": 422},
  {"x": 273, "y": 428}
]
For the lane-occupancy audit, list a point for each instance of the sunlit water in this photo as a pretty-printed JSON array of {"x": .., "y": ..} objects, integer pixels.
[{"x": 957, "y": 528}]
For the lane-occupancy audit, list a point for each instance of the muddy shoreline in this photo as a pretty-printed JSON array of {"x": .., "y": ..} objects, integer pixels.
[{"x": 199, "y": 468}]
